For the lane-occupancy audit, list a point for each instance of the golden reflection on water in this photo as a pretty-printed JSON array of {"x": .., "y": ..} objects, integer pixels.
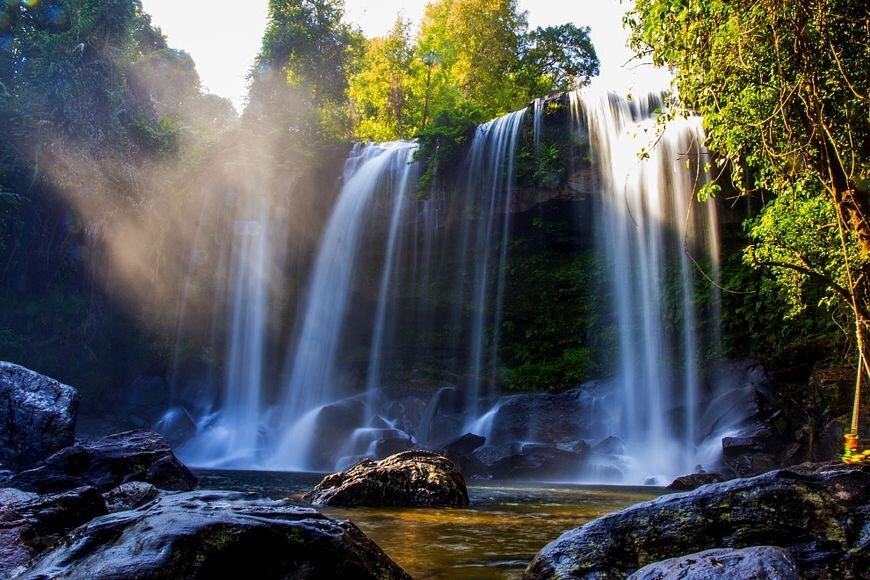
[{"x": 494, "y": 538}]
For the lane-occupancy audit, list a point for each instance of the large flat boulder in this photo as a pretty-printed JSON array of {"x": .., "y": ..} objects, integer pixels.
[
  {"x": 411, "y": 478},
  {"x": 820, "y": 513},
  {"x": 725, "y": 564},
  {"x": 107, "y": 463},
  {"x": 37, "y": 417},
  {"x": 212, "y": 534}
]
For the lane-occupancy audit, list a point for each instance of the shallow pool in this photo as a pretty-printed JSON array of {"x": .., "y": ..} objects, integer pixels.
[{"x": 496, "y": 537}]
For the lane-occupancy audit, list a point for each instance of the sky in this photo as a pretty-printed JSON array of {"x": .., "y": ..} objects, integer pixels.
[{"x": 223, "y": 38}]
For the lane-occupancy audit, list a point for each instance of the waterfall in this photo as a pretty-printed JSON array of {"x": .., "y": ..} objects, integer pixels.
[
  {"x": 396, "y": 341},
  {"x": 648, "y": 226},
  {"x": 313, "y": 382},
  {"x": 490, "y": 180},
  {"x": 233, "y": 437}
]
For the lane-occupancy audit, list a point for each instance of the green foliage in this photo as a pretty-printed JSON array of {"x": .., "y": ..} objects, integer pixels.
[
  {"x": 314, "y": 50},
  {"x": 554, "y": 334},
  {"x": 158, "y": 137},
  {"x": 784, "y": 92},
  {"x": 556, "y": 58},
  {"x": 467, "y": 53},
  {"x": 760, "y": 321},
  {"x": 384, "y": 93},
  {"x": 442, "y": 141},
  {"x": 798, "y": 238}
]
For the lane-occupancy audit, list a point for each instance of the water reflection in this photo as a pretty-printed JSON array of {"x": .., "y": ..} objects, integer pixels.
[{"x": 496, "y": 537}]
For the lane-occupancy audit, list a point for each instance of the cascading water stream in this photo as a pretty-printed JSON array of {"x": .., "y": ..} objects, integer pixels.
[
  {"x": 490, "y": 181},
  {"x": 313, "y": 382},
  {"x": 401, "y": 190},
  {"x": 647, "y": 226},
  {"x": 234, "y": 437},
  {"x": 395, "y": 274}
]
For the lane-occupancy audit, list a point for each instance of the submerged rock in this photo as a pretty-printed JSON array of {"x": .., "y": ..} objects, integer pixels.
[
  {"x": 724, "y": 563},
  {"x": 107, "y": 463},
  {"x": 37, "y": 416},
  {"x": 820, "y": 513},
  {"x": 206, "y": 534},
  {"x": 694, "y": 481},
  {"x": 411, "y": 478}
]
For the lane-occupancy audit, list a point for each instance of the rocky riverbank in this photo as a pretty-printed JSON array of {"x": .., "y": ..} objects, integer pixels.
[
  {"x": 818, "y": 515},
  {"x": 125, "y": 506}
]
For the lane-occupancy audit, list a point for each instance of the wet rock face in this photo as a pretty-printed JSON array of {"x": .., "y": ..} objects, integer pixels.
[
  {"x": 725, "y": 564},
  {"x": 107, "y": 463},
  {"x": 411, "y": 478},
  {"x": 37, "y": 416},
  {"x": 205, "y": 534},
  {"x": 30, "y": 523},
  {"x": 18, "y": 541},
  {"x": 821, "y": 513}
]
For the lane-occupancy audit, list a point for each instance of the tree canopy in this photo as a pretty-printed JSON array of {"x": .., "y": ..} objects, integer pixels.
[
  {"x": 783, "y": 89},
  {"x": 466, "y": 54}
]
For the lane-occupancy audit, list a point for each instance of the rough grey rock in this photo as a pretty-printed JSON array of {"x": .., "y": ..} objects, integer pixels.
[
  {"x": 334, "y": 426},
  {"x": 411, "y": 478},
  {"x": 129, "y": 496},
  {"x": 725, "y": 564},
  {"x": 821, "y": 513},
  {"x": 107, "y": 463},
  {"x": 551, "y": 417},
  {"x": 19, "y": 542},
  {"x": 694, "y": 481},
  {"x": 10, "y": 495},
  {"x": 37, "y": 416},
  {"x": 536, "y": 461},
  {"x": 207, "y": 534},
  {"x": 30, "y": 523},
  {"x": 461, "y": 452},
  {"x": 54, "y": 514}
]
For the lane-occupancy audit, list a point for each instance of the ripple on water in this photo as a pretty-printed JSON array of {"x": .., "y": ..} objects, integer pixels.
[{"x": 494, "y": 538}]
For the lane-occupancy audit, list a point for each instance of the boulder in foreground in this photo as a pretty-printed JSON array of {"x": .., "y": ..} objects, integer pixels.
[
  {"x": 205, "y": 534},
  {"x": 724, "y": 564},
  {"x": 37, "y": 416},
  {"x": 411, "y": 479},
  {"x": 107, "y": 463},
  {"x": 820, "y": 513},
  {"x": 30, "y": 523}
]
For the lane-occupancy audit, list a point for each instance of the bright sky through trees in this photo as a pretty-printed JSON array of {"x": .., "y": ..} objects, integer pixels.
[{"x": 224, "y": 37}]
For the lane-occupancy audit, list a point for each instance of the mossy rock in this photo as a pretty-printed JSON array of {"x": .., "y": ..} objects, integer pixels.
[{"x": 411, "y": 479}]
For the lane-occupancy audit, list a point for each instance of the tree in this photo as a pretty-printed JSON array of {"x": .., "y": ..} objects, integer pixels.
[
  {"x": 557, "y": 58},
  {"x": 478, "y": 44},
  {"x": 384, "y": 91},
  {"x": 314, "y": 50},
  {"x": 783, "y": 88},
  {"x": 468, "y": 56}
]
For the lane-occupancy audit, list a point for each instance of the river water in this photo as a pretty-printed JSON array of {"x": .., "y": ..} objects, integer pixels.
[{"x": 506, "y": 524}]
